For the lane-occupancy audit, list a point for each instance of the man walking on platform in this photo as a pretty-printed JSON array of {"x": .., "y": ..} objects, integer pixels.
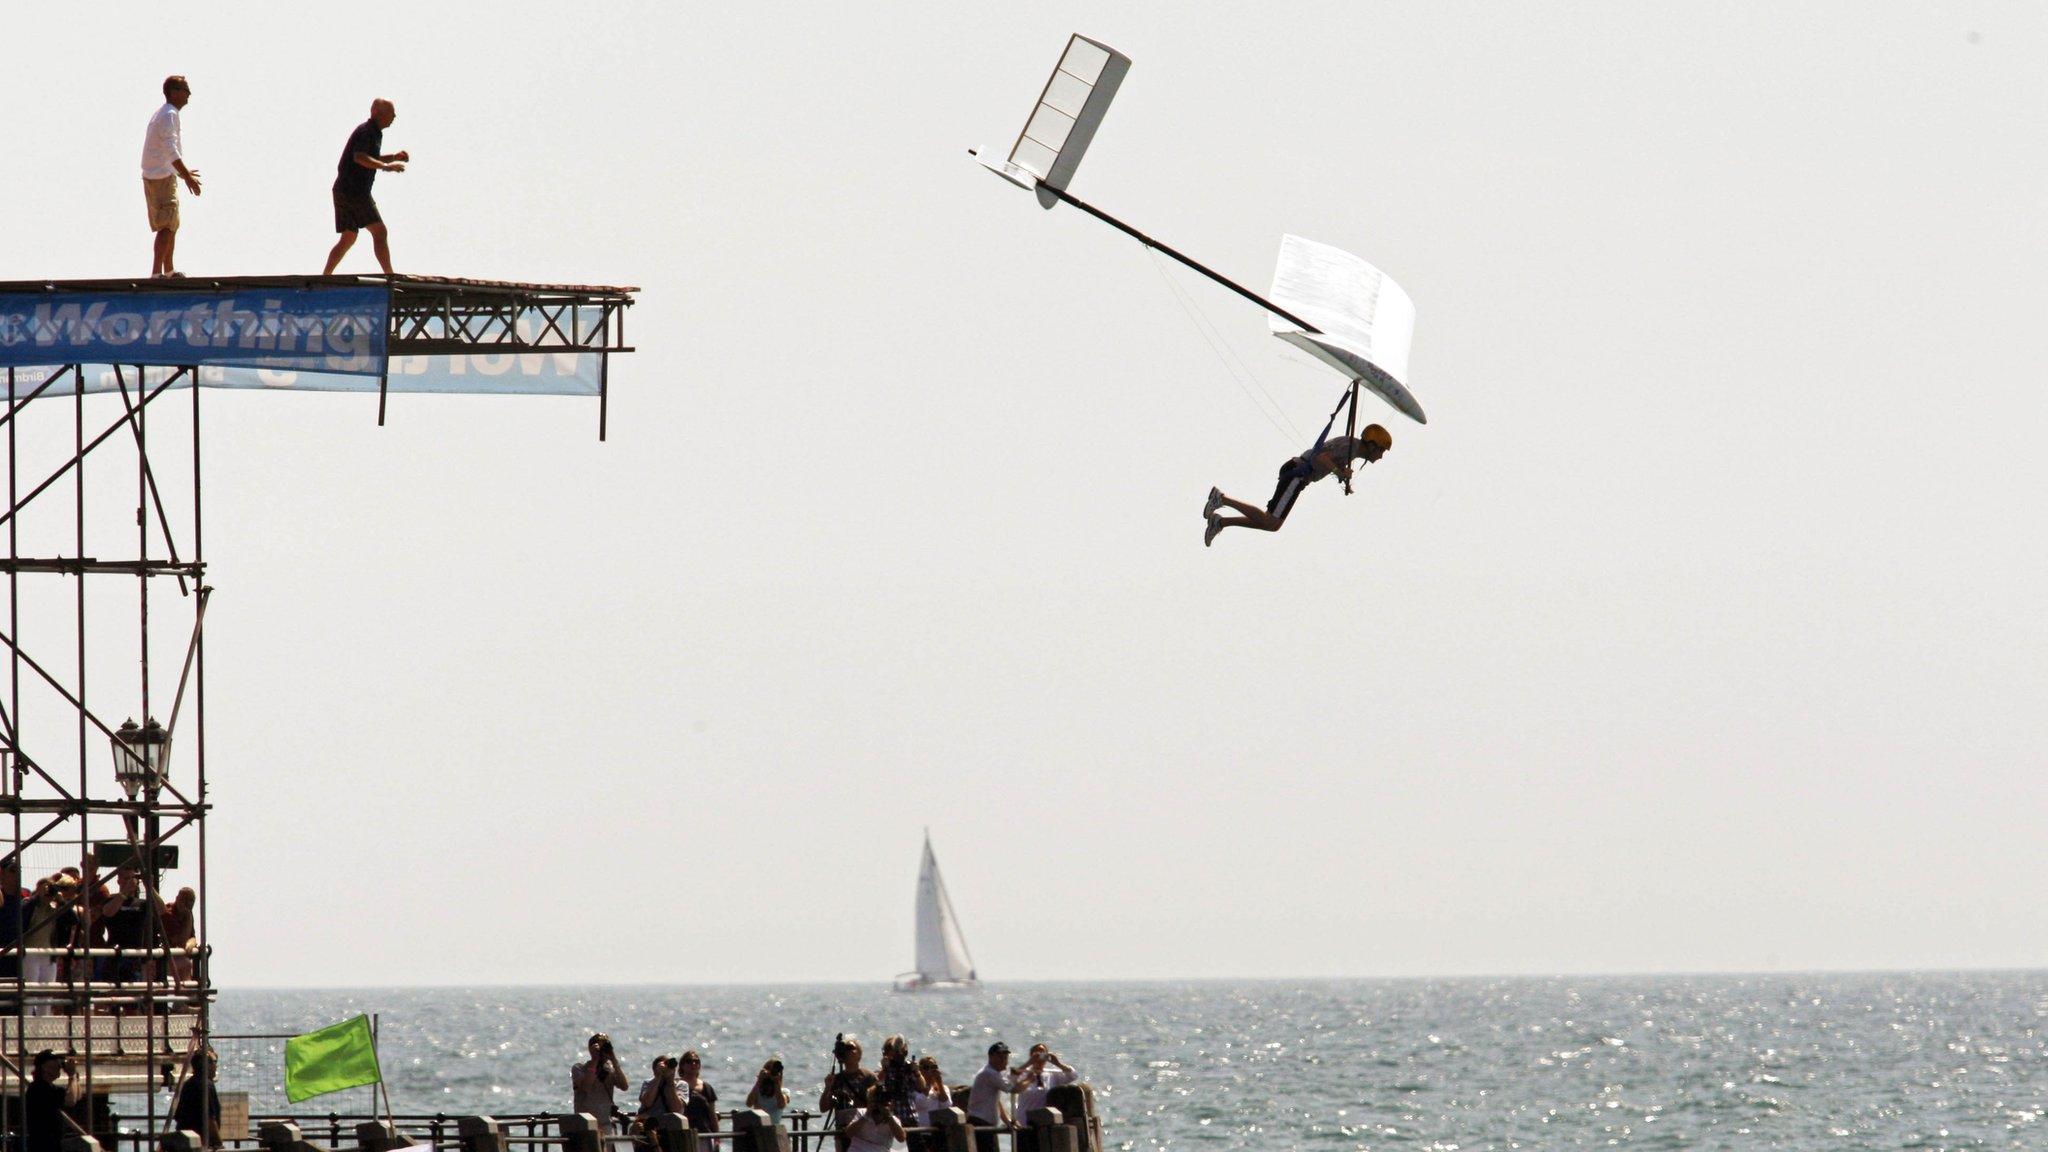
[
  {"x": 163, "y": 165},
  {"x": 354, "y": 209}
]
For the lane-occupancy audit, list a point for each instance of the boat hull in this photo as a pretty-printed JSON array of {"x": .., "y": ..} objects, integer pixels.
[{"x": 918, "y": 984}]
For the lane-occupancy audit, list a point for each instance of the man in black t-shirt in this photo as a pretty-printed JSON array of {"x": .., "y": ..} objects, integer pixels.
[
  {"x": 354, "y": 209},
  {"x": 197, "y": 1109},
  {"x": 126, "y": 917},
  {"x": 43, "y": 1126}
]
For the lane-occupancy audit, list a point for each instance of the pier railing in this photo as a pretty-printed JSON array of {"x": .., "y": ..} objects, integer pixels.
[{"x": 1074, "y": 1129}]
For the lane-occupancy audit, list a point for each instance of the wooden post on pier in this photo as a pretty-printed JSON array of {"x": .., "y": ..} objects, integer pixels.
[
  {"x": 380, "y": 1136},
  {"x": 1076, "y": 1102},
  {"x": 579, "y": 1133},
  {"x": 673, "y": 1134},
  {"x": 752, "y": 1131},
  {"x": 480, "y": 1134},
  {"x": 1045, "y": 1130},
  {"x": 954, "y": 1132}
]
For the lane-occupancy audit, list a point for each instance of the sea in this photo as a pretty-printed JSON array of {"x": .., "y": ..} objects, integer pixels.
[{"x": 1781, "y": 1061}]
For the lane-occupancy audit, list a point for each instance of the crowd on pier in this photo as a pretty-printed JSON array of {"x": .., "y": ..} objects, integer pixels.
[
  {"x": 893, "y": 1101},
  {"x": 46, "y": 932}
]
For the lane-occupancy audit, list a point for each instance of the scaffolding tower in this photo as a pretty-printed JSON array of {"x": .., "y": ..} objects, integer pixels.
[{"x": 104, "y": 954}]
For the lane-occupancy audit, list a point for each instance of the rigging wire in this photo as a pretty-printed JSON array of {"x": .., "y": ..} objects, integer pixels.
[{"x": 1240, "y": 373}]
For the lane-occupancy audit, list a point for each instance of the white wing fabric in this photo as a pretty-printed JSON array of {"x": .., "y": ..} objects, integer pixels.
[{"x": 1367, "y": 322}]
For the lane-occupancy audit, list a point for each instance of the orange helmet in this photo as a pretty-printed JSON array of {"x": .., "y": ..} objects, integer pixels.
[{"x": 1377, "y": 435}]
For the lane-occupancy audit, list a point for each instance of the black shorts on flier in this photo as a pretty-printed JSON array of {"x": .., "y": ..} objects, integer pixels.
[{"x": 352, "y": 213}]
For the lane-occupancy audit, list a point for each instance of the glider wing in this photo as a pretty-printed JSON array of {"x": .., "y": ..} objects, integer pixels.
[{"x": 1367, "y": 322}]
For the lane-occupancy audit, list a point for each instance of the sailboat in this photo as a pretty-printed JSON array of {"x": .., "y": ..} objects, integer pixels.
[{"x": 943, "y": 964}]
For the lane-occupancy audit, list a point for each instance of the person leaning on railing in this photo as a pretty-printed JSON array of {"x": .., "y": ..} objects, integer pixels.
[
  {"x": 985, "y": 1099},
  {"x": 181, "y": 934}
]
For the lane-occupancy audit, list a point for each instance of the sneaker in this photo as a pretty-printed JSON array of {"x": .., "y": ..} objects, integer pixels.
[
  {"x": 1209, "y": 537},
  {"x": 1215, "y": 502}
]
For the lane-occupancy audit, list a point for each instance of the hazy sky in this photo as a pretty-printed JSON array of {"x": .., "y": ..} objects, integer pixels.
[{"x": 1701, "y": 628}]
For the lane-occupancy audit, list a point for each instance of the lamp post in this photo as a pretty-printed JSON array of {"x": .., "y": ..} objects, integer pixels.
[{"x": 139, "y": 768}]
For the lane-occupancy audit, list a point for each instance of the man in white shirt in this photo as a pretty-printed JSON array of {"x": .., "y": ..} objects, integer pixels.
[
  {"x": 1042, "y": 1073},
  {"x": 163, "y": 165},
  {"x": 985, "y": 1098}
]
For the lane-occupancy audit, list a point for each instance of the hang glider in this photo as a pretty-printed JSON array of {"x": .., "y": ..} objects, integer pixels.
[{"x": 1336, "y": 307}]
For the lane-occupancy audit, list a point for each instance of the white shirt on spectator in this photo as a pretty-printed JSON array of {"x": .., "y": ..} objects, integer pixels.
[
  {"x": 163, "y": 143},
  {"x": 986, "y": 1097},
  {"x": 923, "y": 1104},
  {"x": 1032, "y": 1091}
]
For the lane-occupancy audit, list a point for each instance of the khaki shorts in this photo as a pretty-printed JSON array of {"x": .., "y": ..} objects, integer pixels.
[{"x": 162, "y": 197}]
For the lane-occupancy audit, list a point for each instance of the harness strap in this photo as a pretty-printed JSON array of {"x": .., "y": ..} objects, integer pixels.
[{"x": 1350, "y": 431}]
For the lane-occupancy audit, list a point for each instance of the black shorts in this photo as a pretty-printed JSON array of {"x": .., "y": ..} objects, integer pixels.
[
  {"x": 1290, "y": 472},
  {"x": 352, "y": 212}
]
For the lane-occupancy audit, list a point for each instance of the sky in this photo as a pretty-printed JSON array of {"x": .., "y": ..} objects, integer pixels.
[{"x": 1700, "y": 629}]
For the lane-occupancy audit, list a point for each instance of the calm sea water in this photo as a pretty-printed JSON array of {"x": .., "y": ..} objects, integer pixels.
[{"x": 1927, "y": 1061}]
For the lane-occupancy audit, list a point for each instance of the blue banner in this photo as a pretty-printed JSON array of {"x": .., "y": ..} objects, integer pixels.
[
  {"x": 324, "y": 330},
  {"x": 477, "y": 374}
]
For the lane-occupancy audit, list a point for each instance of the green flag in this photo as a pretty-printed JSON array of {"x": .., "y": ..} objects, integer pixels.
[{"x": 338, "y": 1056}]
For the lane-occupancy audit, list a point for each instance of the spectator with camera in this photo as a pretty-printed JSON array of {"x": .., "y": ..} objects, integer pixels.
[
  {"x": 661, "y": 1095},
  {"x": 931, "y": 1095},
  {"x": 847, "y": 1086},
  {"x": 768, "y": 1094},
  {"x": 50, "y": 1110},
  {"x": 593, "y": 1081},
  {"x": 1043, "y": 1071},
  {"x": 899, "y": 1080}
]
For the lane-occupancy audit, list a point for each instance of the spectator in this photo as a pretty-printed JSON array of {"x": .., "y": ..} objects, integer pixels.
[
  {"x": 593, "y": 1081},
  {"x": 847, "y": 1086},
  {"x": 876, "y": 1129},
  {"x": 899, "y": 1079},
  {"x": 44, "y": 1112},
  {"x": 985, "y": 1099},
  {"x": 163, "y": 165},
  {"x": 931, "y": 1096},
  {"x": 768, "y": 1094},
  {"x": 1041, "y": 1073},
  {"x": 69, "y": 929},
  {"x": 660, "y": 1095},
  {"x": 181, "y": 934},
  {"x": 701, "y": 1103},
  {"x": 13, "y": 910},
  {"x": 126, "y": 916},
  {"x": 198, "y": 1107},
  {"x": 48, "y": 923}
]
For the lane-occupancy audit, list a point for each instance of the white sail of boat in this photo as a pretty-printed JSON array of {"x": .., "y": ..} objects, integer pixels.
[{"x": 943, "y": 962}]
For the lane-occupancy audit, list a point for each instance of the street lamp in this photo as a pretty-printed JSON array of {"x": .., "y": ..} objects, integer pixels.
[{"x": 139, "y": 755}]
